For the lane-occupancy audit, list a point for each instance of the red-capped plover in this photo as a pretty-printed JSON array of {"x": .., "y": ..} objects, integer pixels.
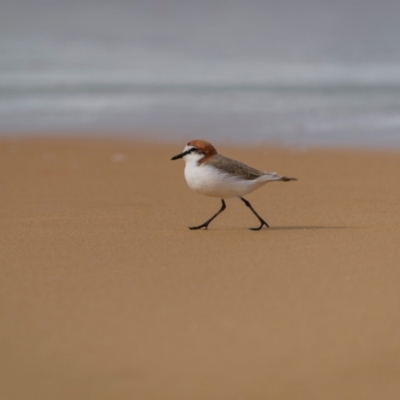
[{"x": 213, "y": 174}]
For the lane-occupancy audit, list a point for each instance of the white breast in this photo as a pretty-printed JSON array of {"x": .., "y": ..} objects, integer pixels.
[{"x": 210, "y": 181}]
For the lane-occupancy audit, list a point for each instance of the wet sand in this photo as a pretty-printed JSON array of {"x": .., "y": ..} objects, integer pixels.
[{"x": 106, "y": 294}]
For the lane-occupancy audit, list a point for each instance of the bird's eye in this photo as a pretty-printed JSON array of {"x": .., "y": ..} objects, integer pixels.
[{"x": 193, "y": 149}]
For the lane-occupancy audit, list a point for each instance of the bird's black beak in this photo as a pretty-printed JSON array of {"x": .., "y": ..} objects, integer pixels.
[{"x": 180, "y": 155}]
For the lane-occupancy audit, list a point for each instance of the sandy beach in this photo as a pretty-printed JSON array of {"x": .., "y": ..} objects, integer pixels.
[{"x": 106, "y": 294}]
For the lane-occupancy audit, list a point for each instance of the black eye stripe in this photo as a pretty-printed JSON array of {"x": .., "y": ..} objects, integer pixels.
[{"x": 191, "y": 150}]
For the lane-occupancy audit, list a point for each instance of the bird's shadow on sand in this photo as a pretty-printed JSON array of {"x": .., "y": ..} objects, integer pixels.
[
  {"x": 306, "y": 228},
  {"x": 293, "y": 228},
  {"x": 283, "y": 228}
]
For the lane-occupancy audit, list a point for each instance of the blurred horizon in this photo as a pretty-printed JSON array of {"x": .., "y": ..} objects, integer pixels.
[{"x": 312, "y": 72}]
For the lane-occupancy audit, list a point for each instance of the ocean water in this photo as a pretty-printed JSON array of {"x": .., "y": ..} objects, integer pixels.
[{"x": 286, "y": 72}]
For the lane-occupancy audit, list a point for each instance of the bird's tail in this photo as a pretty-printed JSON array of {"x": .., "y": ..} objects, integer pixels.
[{"x": 272, "y": 176}]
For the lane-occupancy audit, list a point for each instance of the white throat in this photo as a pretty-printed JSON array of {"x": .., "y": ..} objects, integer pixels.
[{"x": 192, "y": 158}]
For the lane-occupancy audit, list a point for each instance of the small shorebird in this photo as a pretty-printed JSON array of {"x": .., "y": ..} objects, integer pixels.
[{"x": 212, "y": 174}]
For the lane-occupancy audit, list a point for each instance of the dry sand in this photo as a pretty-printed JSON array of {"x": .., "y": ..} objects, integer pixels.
[{"x": 106, "y": 294}]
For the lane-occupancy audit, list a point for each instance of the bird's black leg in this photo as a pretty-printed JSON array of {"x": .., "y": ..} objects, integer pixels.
[
  {"x": 255, "y": 213},
  {"x": 205, "y": 225}
]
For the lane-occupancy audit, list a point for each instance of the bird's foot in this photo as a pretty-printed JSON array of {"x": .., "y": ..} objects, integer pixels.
[
  {"x": 261, "y": 225},
  {"x": 205, "y": 226}
]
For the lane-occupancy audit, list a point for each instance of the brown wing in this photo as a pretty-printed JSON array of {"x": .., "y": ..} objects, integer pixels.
[{"x": 234, "y": 167}]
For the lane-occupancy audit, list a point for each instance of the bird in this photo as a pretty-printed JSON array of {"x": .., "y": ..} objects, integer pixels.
[{"x": 209, "y": 173}]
